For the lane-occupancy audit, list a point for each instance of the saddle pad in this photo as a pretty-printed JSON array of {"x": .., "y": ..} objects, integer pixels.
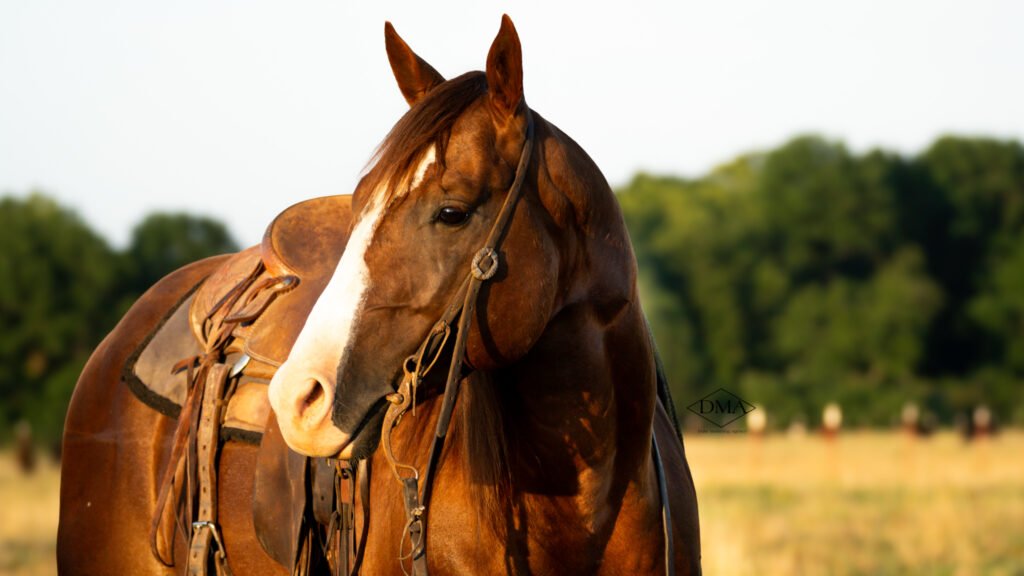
[
  {"x": 148, "y": 370},
  {"x": 148, "y": 375}
]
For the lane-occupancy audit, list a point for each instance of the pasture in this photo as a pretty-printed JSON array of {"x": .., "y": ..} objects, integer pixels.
[
  {"x": 28, "y": 517},
  {"x": 866, "y": 503}
]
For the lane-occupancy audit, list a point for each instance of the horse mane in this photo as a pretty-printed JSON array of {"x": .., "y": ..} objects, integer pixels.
[
  {"x": 483, "y": 439},
  {"x": 429, "y": 122}
]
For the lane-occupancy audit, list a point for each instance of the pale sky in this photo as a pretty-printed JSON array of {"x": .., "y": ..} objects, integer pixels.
[{"x": 237, "y": 109}]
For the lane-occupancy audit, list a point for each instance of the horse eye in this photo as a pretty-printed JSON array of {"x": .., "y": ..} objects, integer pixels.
[{"x": 451, "y": 216}]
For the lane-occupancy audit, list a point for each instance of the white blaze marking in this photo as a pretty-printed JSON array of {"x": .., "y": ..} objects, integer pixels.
[
  {"x": 421, "y": 170},
  {"x": 323, "y": 346},
  {"x": 326, "y": 337}
]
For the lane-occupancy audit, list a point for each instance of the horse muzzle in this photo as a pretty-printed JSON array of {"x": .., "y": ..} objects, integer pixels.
[{"x": 304, "y": 408}]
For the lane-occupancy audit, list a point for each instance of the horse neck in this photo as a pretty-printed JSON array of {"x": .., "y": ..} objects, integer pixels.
[
  {"x": 579, "y": 407},
  {"x": 572, "y": 418},
  {"x": 545, "y": 455}
]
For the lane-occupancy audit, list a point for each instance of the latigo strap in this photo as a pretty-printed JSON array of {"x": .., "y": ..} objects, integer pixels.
[
  {"x": 188, "y": 493},
  {"x": 204, "y": 528}
]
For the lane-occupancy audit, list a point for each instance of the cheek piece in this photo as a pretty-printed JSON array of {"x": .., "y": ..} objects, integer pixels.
[{"x": 462, "y": 307}]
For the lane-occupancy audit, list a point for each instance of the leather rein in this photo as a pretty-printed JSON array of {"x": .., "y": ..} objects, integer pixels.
[{"x": 462, "y": 308}]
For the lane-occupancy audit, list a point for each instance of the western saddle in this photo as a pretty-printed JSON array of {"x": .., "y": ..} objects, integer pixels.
[{"x": 208, "y": 364}]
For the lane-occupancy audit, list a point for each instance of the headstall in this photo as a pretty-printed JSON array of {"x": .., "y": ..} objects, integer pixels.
[{"x": 461, "y": 307}]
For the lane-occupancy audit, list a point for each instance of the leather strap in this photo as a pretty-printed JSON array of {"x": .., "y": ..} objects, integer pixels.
[
  {"x": 335, "y": 486},
  {"x": 363, "y": 481},
  {"x": 346, "y": 520},
  {"x": 323, "y": 490},
  {"x": 205, "y": 531},
  {"x": 463, "y": 305},
  {"x": 666, "y": 512},
  {"x": 341, "y": 530},
  {"x": 191, "y": 475},
  {"x": 304, "y": 559},
  {"x": 414, "y": 528},
  {"x": 172, "y": 486}
]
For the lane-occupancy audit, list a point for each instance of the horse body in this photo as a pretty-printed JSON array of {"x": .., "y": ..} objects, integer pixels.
[{"x": 548, "y": 468}]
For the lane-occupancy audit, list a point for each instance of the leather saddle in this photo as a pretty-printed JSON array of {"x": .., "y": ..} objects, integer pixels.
[
  {"x": 239, "y": 325},
  {"x": 301, "y": 246},
  {"x": 297, "y": 256}
]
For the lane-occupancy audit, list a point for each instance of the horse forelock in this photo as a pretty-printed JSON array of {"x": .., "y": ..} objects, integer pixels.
[{"x": 423, "y": 131}]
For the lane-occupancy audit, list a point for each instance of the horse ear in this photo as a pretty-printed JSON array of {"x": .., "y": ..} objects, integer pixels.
[
  {"x": 505, "y": 69},
  {"x": 415, "y": 77}
]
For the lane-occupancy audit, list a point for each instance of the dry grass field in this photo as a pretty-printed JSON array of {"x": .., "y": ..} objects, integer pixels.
[
  {"x": 28, "y": 517},
  {"x": 866, "y": 503}
]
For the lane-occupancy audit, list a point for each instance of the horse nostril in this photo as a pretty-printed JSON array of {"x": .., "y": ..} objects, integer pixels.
[
  {"x": 311, "y": 402},
  {"x": 315, "y": 394}
]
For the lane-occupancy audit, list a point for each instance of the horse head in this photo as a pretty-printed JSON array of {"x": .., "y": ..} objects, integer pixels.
[{"x": 438, "y": 183}]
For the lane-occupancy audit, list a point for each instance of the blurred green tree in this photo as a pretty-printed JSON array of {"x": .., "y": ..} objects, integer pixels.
[
  {"x": 59, "y": 280},
  {"x": 975, "y": 213},
  {"x": 64, "y": 288},
  {"x": 163, "y": 242},
  {"x": 807, "y": 274}
]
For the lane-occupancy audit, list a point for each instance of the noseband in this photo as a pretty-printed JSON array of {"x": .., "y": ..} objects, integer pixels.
[{"x": 462, "y": 306}]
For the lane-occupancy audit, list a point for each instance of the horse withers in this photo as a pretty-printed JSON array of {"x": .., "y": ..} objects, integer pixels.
[{"x": 486, "y": 253}]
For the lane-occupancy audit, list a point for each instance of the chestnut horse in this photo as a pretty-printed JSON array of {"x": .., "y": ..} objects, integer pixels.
[{"x": 548, "y": 466}]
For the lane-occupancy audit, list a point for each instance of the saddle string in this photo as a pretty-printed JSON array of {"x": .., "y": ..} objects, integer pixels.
[{"x": 463, "y": 304}]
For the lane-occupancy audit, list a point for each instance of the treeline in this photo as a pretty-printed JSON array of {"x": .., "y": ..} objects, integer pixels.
[
  {"x": 63, "y": 287},
  {"x": 809, "y": 274},
  {"x": 794, "y": 278}
]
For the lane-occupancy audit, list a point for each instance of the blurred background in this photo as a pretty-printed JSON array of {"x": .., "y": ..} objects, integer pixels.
[{"x": 826, "y": 200}]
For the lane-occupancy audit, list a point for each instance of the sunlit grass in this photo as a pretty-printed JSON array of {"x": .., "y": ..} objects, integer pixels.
[
  {"x": 29, "y": 505},
  {"x": 865, "y": 503}
]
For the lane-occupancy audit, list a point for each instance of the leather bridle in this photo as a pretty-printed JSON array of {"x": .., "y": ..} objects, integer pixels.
[{"x": 462, "y": 307}]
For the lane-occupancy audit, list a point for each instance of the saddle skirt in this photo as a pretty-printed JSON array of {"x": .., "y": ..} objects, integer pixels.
[{"x": 296, "y": 257}]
